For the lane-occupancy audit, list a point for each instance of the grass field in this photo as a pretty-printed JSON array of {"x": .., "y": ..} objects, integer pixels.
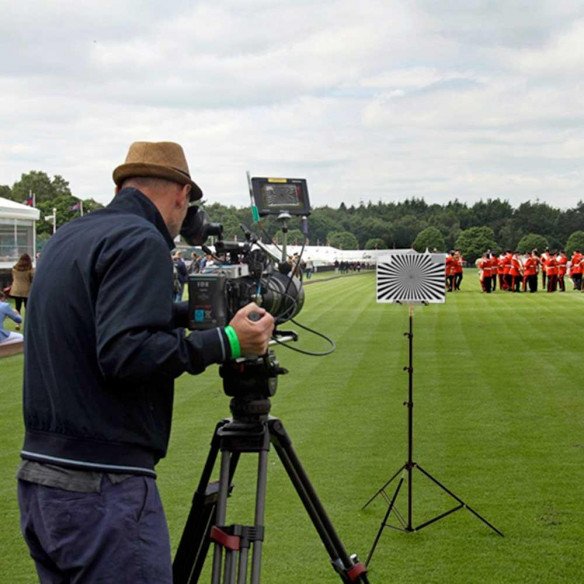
[{"x": 499, "y": 419}]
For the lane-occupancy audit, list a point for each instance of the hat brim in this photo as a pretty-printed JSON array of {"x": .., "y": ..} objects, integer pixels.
[{"x": 133, "y": 169}]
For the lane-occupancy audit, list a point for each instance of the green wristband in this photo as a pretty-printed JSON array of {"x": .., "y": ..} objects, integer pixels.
[{"x": 233, "y": 342}]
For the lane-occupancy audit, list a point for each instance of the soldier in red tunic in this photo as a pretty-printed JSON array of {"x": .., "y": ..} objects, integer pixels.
[{"x": 562, "y": 260}]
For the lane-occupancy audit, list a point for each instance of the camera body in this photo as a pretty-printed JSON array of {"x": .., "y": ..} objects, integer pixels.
[
  {"x": 215, "y": 297},
  {"x": 246, "y": 275}
]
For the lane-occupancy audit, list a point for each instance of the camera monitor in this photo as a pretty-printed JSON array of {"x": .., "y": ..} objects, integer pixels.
[{"x": 273, "y": 196}]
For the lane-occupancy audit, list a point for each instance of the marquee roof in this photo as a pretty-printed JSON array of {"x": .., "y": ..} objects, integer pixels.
[{"x": 13, "y": 210}]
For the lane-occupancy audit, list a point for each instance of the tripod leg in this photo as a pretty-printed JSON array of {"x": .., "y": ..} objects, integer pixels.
[
  {"x": 384, "y": 522},
  {"x": 192, "y": 549},
  {"x": 349, "y": 570},
  {"x": 455, "y": 497},
  {"x": 220, "y": 515},
  {"x": 260, "y": 510},
  {"x": 382, "y": 489}
]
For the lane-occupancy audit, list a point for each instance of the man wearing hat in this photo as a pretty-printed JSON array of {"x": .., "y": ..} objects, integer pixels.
[{"x": 103, "y": 346}]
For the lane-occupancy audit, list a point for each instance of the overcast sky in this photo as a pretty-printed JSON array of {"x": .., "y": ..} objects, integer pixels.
[{"x": 367, "y": 100}]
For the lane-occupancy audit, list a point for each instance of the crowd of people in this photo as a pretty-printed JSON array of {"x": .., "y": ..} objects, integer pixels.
[{"x": 515, "y": 272}]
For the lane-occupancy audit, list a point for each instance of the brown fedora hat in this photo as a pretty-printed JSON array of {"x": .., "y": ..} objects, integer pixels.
[{"x": 158, "y": 160}]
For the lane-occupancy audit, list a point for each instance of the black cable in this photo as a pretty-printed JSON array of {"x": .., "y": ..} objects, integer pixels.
[{"x": 309, "y": 353}]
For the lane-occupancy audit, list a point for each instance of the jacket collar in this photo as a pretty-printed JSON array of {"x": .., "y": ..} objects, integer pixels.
[{"x": 130, "y": 200}]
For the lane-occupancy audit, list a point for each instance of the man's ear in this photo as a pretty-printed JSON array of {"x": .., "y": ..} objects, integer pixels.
[
  {"x": 178, "y": 196},
  {"x": 182, "y": 196}
]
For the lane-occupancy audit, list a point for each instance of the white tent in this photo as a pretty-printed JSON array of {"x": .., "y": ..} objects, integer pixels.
[
  {"x": 323, "y": 255},
  {"x": 13, "y": 210},
  {"x": 17, "y": 231}
]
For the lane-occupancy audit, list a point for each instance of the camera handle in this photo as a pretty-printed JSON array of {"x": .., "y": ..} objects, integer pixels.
[{"x": 283, "y": 220}]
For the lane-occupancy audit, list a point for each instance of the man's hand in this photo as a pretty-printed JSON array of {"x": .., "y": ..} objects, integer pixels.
[{"x": 254, "y": 327}]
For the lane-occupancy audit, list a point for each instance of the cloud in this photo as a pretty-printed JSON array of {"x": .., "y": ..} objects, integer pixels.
[{"x": 369, "y": 100}]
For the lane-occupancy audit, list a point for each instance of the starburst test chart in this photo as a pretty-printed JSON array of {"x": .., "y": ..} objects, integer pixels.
[{"x": 411, "y": 278}]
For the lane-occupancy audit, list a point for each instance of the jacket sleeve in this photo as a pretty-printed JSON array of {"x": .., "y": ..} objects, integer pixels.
[
  {"x": 136, "y": 338},
  {"x": 12, "y": 314}
]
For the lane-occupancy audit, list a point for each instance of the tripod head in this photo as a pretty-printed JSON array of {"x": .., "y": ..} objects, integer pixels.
[{"x": 251, "y": 383}]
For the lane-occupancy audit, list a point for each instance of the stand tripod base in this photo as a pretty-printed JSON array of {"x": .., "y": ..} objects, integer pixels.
[{"x": 406, "y": 523}]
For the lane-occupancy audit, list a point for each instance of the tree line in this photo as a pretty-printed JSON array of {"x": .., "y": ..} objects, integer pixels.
[{"x": 487, "y": 224}]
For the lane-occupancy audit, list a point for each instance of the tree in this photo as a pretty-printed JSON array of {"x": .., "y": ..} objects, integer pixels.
[
  {"x": 41, "y": 186},
  {"x": 343, "y": 240},
  {"x": 430, "y": 238},
  {"x": 295, "y": 237},
  {"x": 507, "y": 236},
  {"x": 492, "y": 212},
  {"x": 575, "y": 242},
  {"x": 474, "y": 242},
  {"x": 5, "y": 192},
  {"x": 321, "y": 222},
  {"x": 570, "y": 221},
  {"x": 532, "y": 241},
  {"x": 375, "y": 243},
  {"x": 536, "y": 218},
  {"x": 64, "y": 212},
  {"x": 404, "y": 231}
]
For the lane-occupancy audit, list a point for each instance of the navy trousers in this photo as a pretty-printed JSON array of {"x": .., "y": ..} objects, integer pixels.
[{"x": 118, "y": 535}]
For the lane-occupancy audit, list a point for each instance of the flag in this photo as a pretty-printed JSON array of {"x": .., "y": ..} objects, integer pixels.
[
  {"x": 78, "y": 206},
  {"x": 30, "y": 199}
]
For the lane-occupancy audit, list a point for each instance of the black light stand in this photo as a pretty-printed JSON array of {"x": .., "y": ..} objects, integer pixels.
[
  {"x": 408, "y": 468},
  {"x": 250, "y": 383}
]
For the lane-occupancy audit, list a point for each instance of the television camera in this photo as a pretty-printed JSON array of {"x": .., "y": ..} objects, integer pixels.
[{"x": 249, "y": 271}]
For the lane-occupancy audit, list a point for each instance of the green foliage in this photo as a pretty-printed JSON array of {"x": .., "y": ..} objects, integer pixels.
[
  {"x": 429, "y": 239},
  {"x": 475, "y": 241},
  {"x": 63, "y": 204},
  {"x": 375, "y": 243},
  {"x": 343, "y": 240},
  {"x": 536, "y": 218},
  {"x": 404, "y": 231},
  {"x": 49, "y": 194},
  {"x": 295, "y": 237},
  {"x": 39, "y": 183},
  {"x": 575, "y": 242},
  {"x": 532, "y": 241}
]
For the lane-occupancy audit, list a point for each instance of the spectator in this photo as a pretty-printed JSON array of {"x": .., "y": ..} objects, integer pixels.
[
  {"x": 182, "y": 275},
  {"x": 194, "y": 265},
  {"x": 6, "y": 311},
  {"x": 22, "y": 274}
]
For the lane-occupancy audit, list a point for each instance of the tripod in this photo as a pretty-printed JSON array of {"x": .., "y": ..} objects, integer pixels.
[
  {"x": 250, "y": 430},
  {"x": 406, "y": 471}
]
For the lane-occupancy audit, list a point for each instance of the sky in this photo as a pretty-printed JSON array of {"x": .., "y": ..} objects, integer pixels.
[{"x": 368, "y": 100}]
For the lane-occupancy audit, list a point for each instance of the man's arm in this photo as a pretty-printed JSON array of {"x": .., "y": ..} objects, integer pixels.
[
  {"x": 13, "y": 315},
  {"x": 137, "y": 335}
]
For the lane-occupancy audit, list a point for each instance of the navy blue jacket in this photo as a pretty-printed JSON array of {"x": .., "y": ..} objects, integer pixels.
[{"x": 102, "y": 349}]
